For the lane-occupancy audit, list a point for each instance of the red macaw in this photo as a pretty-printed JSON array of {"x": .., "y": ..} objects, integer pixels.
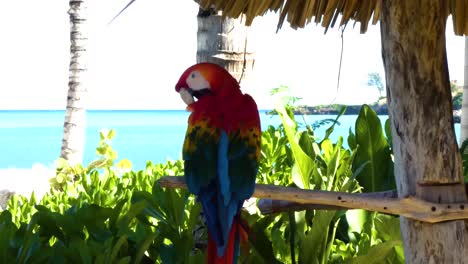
[{"x": 221, "y": 153}]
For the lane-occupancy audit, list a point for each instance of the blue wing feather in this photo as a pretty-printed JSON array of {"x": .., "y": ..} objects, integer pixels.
[{"x": 223, "y": 168}]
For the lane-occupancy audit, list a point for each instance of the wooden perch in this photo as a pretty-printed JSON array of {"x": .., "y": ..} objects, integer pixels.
[
  {"x": 270, "y": 206},
  {"x": 383, "y": 202}
]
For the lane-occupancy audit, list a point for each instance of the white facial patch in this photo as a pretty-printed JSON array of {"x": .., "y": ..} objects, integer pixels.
[
  {"x": 186, "y": 96},
  {"x": 196, "y": 82}
]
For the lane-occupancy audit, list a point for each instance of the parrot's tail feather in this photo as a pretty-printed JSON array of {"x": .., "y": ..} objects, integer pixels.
[
  {"x": 244, "y": 231},
  {"x": 231, "y": 250}
]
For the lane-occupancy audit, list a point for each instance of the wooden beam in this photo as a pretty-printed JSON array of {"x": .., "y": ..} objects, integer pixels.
[
  {"x": 270, "y": 206},
  {"x": 409, "y": 207}
]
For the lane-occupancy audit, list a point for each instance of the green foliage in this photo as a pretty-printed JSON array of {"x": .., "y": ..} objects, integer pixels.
[
  {"x": 275, "y": 167},
  {"x": 464, "y": 157},
  {"x": 303, "y": 163},
  {"x": 374, "y": 238},
  {"x": 454, "y": 87},
  {"x": 457, "y": 101},
  {"x": 374, "y": 79},
  {"x": 106, "y": 213},
  {"x": 106, "y": 157},
  {"x": 368, "y": 236},
  {"x": 457, "y": 95},
  {"x": 317, "y": 236},
  {"x": 373, "y": 152},
  {"x": 284, "y": 93}
]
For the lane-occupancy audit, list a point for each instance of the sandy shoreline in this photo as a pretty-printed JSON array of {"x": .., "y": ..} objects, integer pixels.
[{"x": 26, "y": 180}]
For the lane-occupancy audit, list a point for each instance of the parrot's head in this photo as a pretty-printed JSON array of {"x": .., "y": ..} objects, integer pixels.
[{"x": 206, "y": 79}]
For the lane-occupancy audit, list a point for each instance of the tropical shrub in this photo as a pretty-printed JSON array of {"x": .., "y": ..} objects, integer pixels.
[
  {"x": 314, "y": 162},
  {"x": 102, "y": 214},
  {"x": 107, "y": 213}
]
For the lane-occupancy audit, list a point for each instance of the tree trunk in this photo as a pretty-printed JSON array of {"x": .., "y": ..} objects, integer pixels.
[
  {"x": 224, "y": 41},
  {"x": 74, "y": 129},
  {"x": 464, "y": 115},
  {"x": 427, "y": 161}
]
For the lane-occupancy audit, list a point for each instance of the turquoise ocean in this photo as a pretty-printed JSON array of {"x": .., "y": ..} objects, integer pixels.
[{"x": 28, "y": 137}]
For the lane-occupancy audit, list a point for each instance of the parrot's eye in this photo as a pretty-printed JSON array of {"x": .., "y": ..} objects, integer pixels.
[{"x": 193, "y": 76}]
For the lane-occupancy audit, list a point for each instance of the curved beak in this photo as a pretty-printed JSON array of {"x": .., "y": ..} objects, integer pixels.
[
  {"x": 186, "y": 96},
  {"x": 184, "y": 92}
]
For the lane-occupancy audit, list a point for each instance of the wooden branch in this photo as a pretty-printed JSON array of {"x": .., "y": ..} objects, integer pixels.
[
  {"x": 409, "y": 207},
  {"x": 270, "y": 206}
]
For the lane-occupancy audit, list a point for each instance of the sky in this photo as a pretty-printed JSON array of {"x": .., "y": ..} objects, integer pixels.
[{"x": 135, "y": 61}]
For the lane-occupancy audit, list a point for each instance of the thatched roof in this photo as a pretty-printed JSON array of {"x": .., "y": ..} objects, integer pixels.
[{"x": 326, "y": 12}]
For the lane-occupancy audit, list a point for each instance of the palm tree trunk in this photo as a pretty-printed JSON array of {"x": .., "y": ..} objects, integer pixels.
[
  {"x": 427, "y": 161},
  {"x": 224, "y": 41},
  {"x": 464, "y": 115},
  {"x": 74, "y": 128}
]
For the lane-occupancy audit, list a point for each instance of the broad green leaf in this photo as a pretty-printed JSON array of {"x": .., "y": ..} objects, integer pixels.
[
  {"x": 352, "y": 139},
  {"x": 332, "y": 157},
  {"x": 313, "y": 247},
  {"x": 83, "y": 250},
  {"x": 7, "y": 231},
  {"x": 327, "y": 149},
  {"x": 144, "y": 246},
  {"x": 292, "y": 237},
  {"x": 167, "y": 254},
  {"x": 464, "y": 156},
  {"x": 373, "y": 147},
  {"x": 356, "y": 220},
  {"x": 306, "y": 144},
  {"x": 48, "y": 223},
  {"x": 387, "y": 227},
  {"x": 296, "y": 176},
  {"x": 194, "y": 216},
  {"x": 144, "y": 201},
  {"x": 369, "y": 231},
  {"x": 115, "y": 250},
  {"x": 304, "y": 163},
  {"x": 135, "y": 209},
  {"x": 377, "y": 253},
  {"x": 260, "y": 242}
]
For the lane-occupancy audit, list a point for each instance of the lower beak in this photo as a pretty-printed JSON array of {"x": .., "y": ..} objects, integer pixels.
[{"x": 186, "y": 96}]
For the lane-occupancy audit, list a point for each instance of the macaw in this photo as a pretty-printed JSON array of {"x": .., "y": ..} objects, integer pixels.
[{"x": 221, "y": 153}]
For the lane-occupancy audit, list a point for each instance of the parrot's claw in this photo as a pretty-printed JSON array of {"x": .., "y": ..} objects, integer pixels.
[{"x": 186, "y": 96}]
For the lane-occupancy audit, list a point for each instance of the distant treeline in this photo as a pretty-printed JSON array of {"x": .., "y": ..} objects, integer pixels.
[{"x": 334, "y": 109}]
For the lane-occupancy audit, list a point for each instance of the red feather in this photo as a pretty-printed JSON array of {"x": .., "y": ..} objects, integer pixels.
[{"x": 212, "y": 253}]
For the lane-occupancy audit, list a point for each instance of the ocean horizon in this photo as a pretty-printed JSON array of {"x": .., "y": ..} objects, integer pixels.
[{"x": 29, "y": 137}]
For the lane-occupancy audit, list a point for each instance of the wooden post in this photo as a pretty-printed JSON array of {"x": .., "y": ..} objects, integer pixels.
[
  {"x": 224, "y": 41},
  {"x": 427, "y": 161},
  {"x": 464, "y": 117}
]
